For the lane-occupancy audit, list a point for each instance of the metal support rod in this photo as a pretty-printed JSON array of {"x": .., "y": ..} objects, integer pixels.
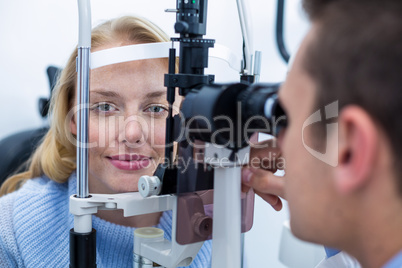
[
  {"x": 82, "y": 236},
  {"x": 82, "y": 120},
  {"x": 257, "y": 66},
  {"x": 82, "y": 94},
  {"x": 171, "y": 91},
  {"x": 226, "y": 242},
  {"x": 247, "y": 35}
]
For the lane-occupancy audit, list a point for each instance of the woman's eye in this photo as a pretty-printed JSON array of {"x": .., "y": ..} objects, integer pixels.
[
  {"x": 156, "y": 109},
  {"x": 104, "y": 107}
]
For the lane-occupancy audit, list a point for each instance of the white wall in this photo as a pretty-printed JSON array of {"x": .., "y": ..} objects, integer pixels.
[{"x": 35, "y": 34}]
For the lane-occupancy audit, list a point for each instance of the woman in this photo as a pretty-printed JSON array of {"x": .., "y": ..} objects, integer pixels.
[{"x": 128, "y": 108}]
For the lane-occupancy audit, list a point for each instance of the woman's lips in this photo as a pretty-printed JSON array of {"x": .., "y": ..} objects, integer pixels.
[{"x": 130, "y": 162}]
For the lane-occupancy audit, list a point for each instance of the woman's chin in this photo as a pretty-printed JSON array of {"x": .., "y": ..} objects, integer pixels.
[{"x": 127, "y": 186}]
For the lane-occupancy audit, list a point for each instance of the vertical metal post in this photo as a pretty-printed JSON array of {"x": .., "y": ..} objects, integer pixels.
[
  {"x": 82, "y": 120},
  {"x": 83, "y": 58},
  {"x": 226, "y": 242},
  {"x": 83, "y": 236},
  {"x": 246, "y": 30},
  {"x": 257, "y": 66}
]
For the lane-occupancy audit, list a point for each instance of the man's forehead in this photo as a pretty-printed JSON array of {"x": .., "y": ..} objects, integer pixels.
[
  {"x": 305, "y": 46},
  {"x": 298, "y": 80}
]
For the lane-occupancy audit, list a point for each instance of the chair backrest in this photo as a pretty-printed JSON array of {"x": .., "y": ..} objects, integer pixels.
[{"x": 17, "y": 148}]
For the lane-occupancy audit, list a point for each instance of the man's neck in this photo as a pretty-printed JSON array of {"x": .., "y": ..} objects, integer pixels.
[{"x": 379, "y": 237}]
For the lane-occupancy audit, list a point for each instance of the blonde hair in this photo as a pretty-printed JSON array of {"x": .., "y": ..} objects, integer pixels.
[{"x": 56, "y": 155}]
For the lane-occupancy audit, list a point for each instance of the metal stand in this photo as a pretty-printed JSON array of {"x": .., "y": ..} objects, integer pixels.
[
  {"x": 163, "y": 252},
  {"x": 227, "y": 204},
  {"x": 82, "y": 236},
  {"x": 226, "y": 242}
]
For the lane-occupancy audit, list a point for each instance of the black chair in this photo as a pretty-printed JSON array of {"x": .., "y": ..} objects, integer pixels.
[{"x": 17, "y": 148}]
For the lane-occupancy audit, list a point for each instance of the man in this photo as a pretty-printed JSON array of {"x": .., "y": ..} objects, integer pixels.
[{"x": 343, "y": 177}]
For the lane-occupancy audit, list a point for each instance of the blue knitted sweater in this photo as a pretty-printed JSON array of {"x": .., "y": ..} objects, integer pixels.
[{"x": 35, "y": 224}]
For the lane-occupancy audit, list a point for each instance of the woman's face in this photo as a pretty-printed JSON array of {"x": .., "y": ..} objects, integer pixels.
[{"x": 128, "y": 109}]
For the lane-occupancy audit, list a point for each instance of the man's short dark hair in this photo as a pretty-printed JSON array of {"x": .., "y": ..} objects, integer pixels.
[
  {"x": 314, "y": 7},
  {"x": 356, "y": 58}
]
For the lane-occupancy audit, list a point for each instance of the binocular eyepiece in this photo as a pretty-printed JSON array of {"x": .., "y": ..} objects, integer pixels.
[{"x": 228, "y": 114}]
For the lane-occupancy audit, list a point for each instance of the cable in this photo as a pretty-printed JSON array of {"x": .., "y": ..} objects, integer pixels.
[{"x": 279, "y": 31}]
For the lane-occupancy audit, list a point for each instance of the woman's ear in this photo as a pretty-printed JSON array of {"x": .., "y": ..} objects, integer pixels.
[
  {"x": 358, "y": 147},
  {"x": 73, "y": 126}
]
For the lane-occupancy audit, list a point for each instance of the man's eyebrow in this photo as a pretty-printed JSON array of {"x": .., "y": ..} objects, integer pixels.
[
  {"x": 155, "y": 94},
  {"x": 112, "y": 94}
]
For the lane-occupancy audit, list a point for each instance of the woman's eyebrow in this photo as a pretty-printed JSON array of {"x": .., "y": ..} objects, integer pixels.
[
  {"x": 112, "y": 94},
  {"x": 155, "y": 94}
]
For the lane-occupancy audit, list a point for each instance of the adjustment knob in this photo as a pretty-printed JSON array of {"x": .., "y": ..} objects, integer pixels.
[
  {"x": 149, "y": 186},
  {"x": 202, "y": 225},
  {"x": 181, "y": 27}
]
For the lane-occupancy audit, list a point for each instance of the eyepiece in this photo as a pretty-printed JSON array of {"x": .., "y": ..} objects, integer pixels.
[
  {"x": 229, "y": 114},
  {"x": 261, "y": 108}
]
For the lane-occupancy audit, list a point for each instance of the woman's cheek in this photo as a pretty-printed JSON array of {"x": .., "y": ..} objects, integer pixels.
[
  {"x": 98, "y": 131},
  {"x": 93, "y": 130},
  {"x": 157, "y": 137}
]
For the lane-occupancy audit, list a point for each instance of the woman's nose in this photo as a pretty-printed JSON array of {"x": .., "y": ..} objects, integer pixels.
[{"x": 132, "y": 131}]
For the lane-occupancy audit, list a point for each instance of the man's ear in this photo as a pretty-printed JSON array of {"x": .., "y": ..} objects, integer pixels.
[
  {"x": 73, "y": 126},
  {"x": 358, "y": 147}
]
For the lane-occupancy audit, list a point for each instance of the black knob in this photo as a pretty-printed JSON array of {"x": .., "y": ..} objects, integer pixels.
[{"x": 181, "y": 27}]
